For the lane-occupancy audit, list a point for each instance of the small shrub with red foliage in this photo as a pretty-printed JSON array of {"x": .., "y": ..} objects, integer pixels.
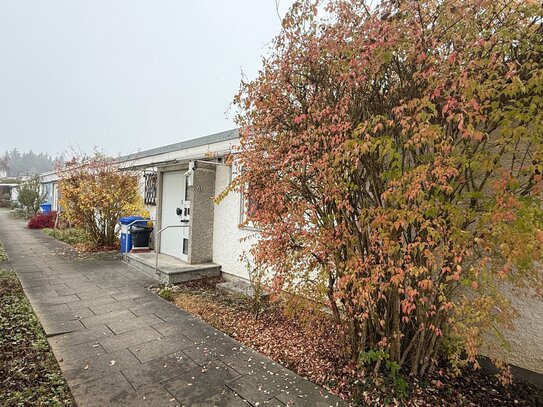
[{"x": 42, "y": 220}]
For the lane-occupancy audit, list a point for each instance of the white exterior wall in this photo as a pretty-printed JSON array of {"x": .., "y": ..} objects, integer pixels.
[
  {"x": 14, "y": 193},
  {"x": 152, "y": 211},
  {"x": 526, "y": 337},
  {"x": 227, "y": 235}
]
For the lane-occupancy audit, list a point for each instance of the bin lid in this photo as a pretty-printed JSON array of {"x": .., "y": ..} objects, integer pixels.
[
  {"x": 129, "y": 219},
  {"x": 140, "y": 228}
]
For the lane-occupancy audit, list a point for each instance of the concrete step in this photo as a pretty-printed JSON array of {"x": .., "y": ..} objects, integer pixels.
[{"x": 170, "y": 269}]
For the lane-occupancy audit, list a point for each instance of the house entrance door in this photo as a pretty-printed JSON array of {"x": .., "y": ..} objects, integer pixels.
[{"x": 172, "y": 240}]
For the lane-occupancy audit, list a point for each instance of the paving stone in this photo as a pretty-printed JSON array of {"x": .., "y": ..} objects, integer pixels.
[
  {"x": 128, "y": 339},
  {"x": 198, "y": 384},
  {"x": 81, "y": 313},
  {"x": 88, "y": 368},
  {"x": 145, "y": 300},
  {"x": 162, "y": 309},
  {"x": 106, "y": 391},
  {"x": 91, "y": 335},
  {"x": 92, "y": 302},
  {"x": 151, "y": 319},
  {"x": 95, "y": 292},
  {"x": 45, "y": 308},
  {"x": 204, "y": 352},
  {"x": 149, "y": 396},
  {"x": 113, "y": 306},
  {"x": 160, "y": 369},
  {"x": 199, "y": 331},
  {"x": 262, "y": 386},
  {"x": 222, "y": 397},
  {"x": 131, "y": 295},
  {"x": 182, "y": 325},
  {"x": 274, "y": 403},
  {"x": 61, "y": 327},
  {"x": 66, "y": 290},
  {"x": 249, "y": 362},
  {"x": 120, "y": 326},
  {"x": 307, "y": 394},
  {"x": 102, "y": 319},
  {"x": 57, "y": 316},
  {"x": 73, "y": 355},
  {"x": 160, "y": 347},
  {"x": 65, "y": 299},
  {"x": 64, "y": 313}
]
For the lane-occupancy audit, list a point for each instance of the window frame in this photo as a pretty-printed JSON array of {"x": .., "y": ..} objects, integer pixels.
[{"x": 150, "y": 195}]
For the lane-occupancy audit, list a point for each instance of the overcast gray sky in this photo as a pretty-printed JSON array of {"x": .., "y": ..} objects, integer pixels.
[{"x": 125, "y": 74}]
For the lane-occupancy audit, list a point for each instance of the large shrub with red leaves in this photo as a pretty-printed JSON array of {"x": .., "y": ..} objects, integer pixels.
[
  {"x": 42, "y": 220},
  {"x": 394, "y": 154}
]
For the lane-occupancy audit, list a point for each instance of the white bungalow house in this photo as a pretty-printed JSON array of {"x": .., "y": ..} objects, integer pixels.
[
  {"x": 179, "y": 183},
  {"x": 49, "y": 188},
  {"x": 182, "y": 180},
  {"x": 198, "y": 237},
  {"x": 9, "y": 190}
]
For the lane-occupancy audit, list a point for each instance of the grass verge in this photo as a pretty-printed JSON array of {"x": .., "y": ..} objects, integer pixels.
[
  {"x": 69, "y": 235},
  {"x": 79, "y": 239},
  {"x": 3, "y": 254},
  {"x": 18, "y": 214},
  {"x": 29, "y": 373}
]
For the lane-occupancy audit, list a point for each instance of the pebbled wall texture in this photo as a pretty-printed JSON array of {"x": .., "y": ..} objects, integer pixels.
[
  {"x": 229, "y": 240},
  {"x": 526, "y": 337}
]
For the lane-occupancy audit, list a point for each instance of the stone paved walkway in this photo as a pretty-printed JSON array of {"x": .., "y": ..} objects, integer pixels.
[{"x": 119, "y": 344}]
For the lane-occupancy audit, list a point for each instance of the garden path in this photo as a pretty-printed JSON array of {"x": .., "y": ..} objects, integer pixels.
[{"x": 119, "y": 344}]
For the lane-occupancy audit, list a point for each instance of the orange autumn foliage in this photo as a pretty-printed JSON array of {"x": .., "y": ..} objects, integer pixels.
[
  {"x": 95, "y": 194},
  {"x": 394, "y": 154}
]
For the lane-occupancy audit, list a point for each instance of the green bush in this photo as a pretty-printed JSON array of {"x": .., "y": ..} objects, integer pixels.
[
  {"x": 69, "y": 235},
  {"x": 19, "y": 213},
  {"x": 5, "y": 200},
  {"x": 166, "y": 293},
  {"x": 30, "y": 195},
  {"x": 3, "y": 254}
]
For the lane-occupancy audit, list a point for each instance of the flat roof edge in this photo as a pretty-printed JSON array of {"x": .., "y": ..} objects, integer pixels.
[{"x": 183, "y": 145}]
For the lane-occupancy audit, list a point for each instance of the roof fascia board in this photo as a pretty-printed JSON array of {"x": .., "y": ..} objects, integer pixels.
[{"x": 183, "y": 145}]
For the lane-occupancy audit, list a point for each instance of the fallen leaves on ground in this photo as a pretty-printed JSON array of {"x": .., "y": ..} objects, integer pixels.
[
  {"x": 308, "y": 343},
  {"x": 29, "y": 373}
]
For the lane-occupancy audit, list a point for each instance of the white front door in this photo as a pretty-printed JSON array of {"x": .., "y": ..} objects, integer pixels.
[{"x": 172, "y": 240}]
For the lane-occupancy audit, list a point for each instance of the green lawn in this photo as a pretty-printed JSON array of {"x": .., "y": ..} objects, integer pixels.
[
  {"x": 29, "y": 373},
  {"x": 69, "y": 235}
]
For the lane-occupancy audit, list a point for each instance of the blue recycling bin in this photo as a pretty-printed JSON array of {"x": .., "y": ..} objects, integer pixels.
[
  {"x": 45, "y": 207},
  {"x": 126, "y": 238}
]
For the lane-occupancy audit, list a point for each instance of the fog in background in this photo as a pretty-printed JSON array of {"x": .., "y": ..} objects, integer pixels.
[{"x": 125, "y": 75}]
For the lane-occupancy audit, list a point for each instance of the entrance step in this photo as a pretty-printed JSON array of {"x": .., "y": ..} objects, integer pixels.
[{"x": 170, "y": 269}]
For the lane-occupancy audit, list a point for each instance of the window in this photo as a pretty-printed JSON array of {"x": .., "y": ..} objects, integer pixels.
[
  {"x": 248, "y": 209},
  {"x": 248, "y": 206},
  {"x": 150, "y": 188}
]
